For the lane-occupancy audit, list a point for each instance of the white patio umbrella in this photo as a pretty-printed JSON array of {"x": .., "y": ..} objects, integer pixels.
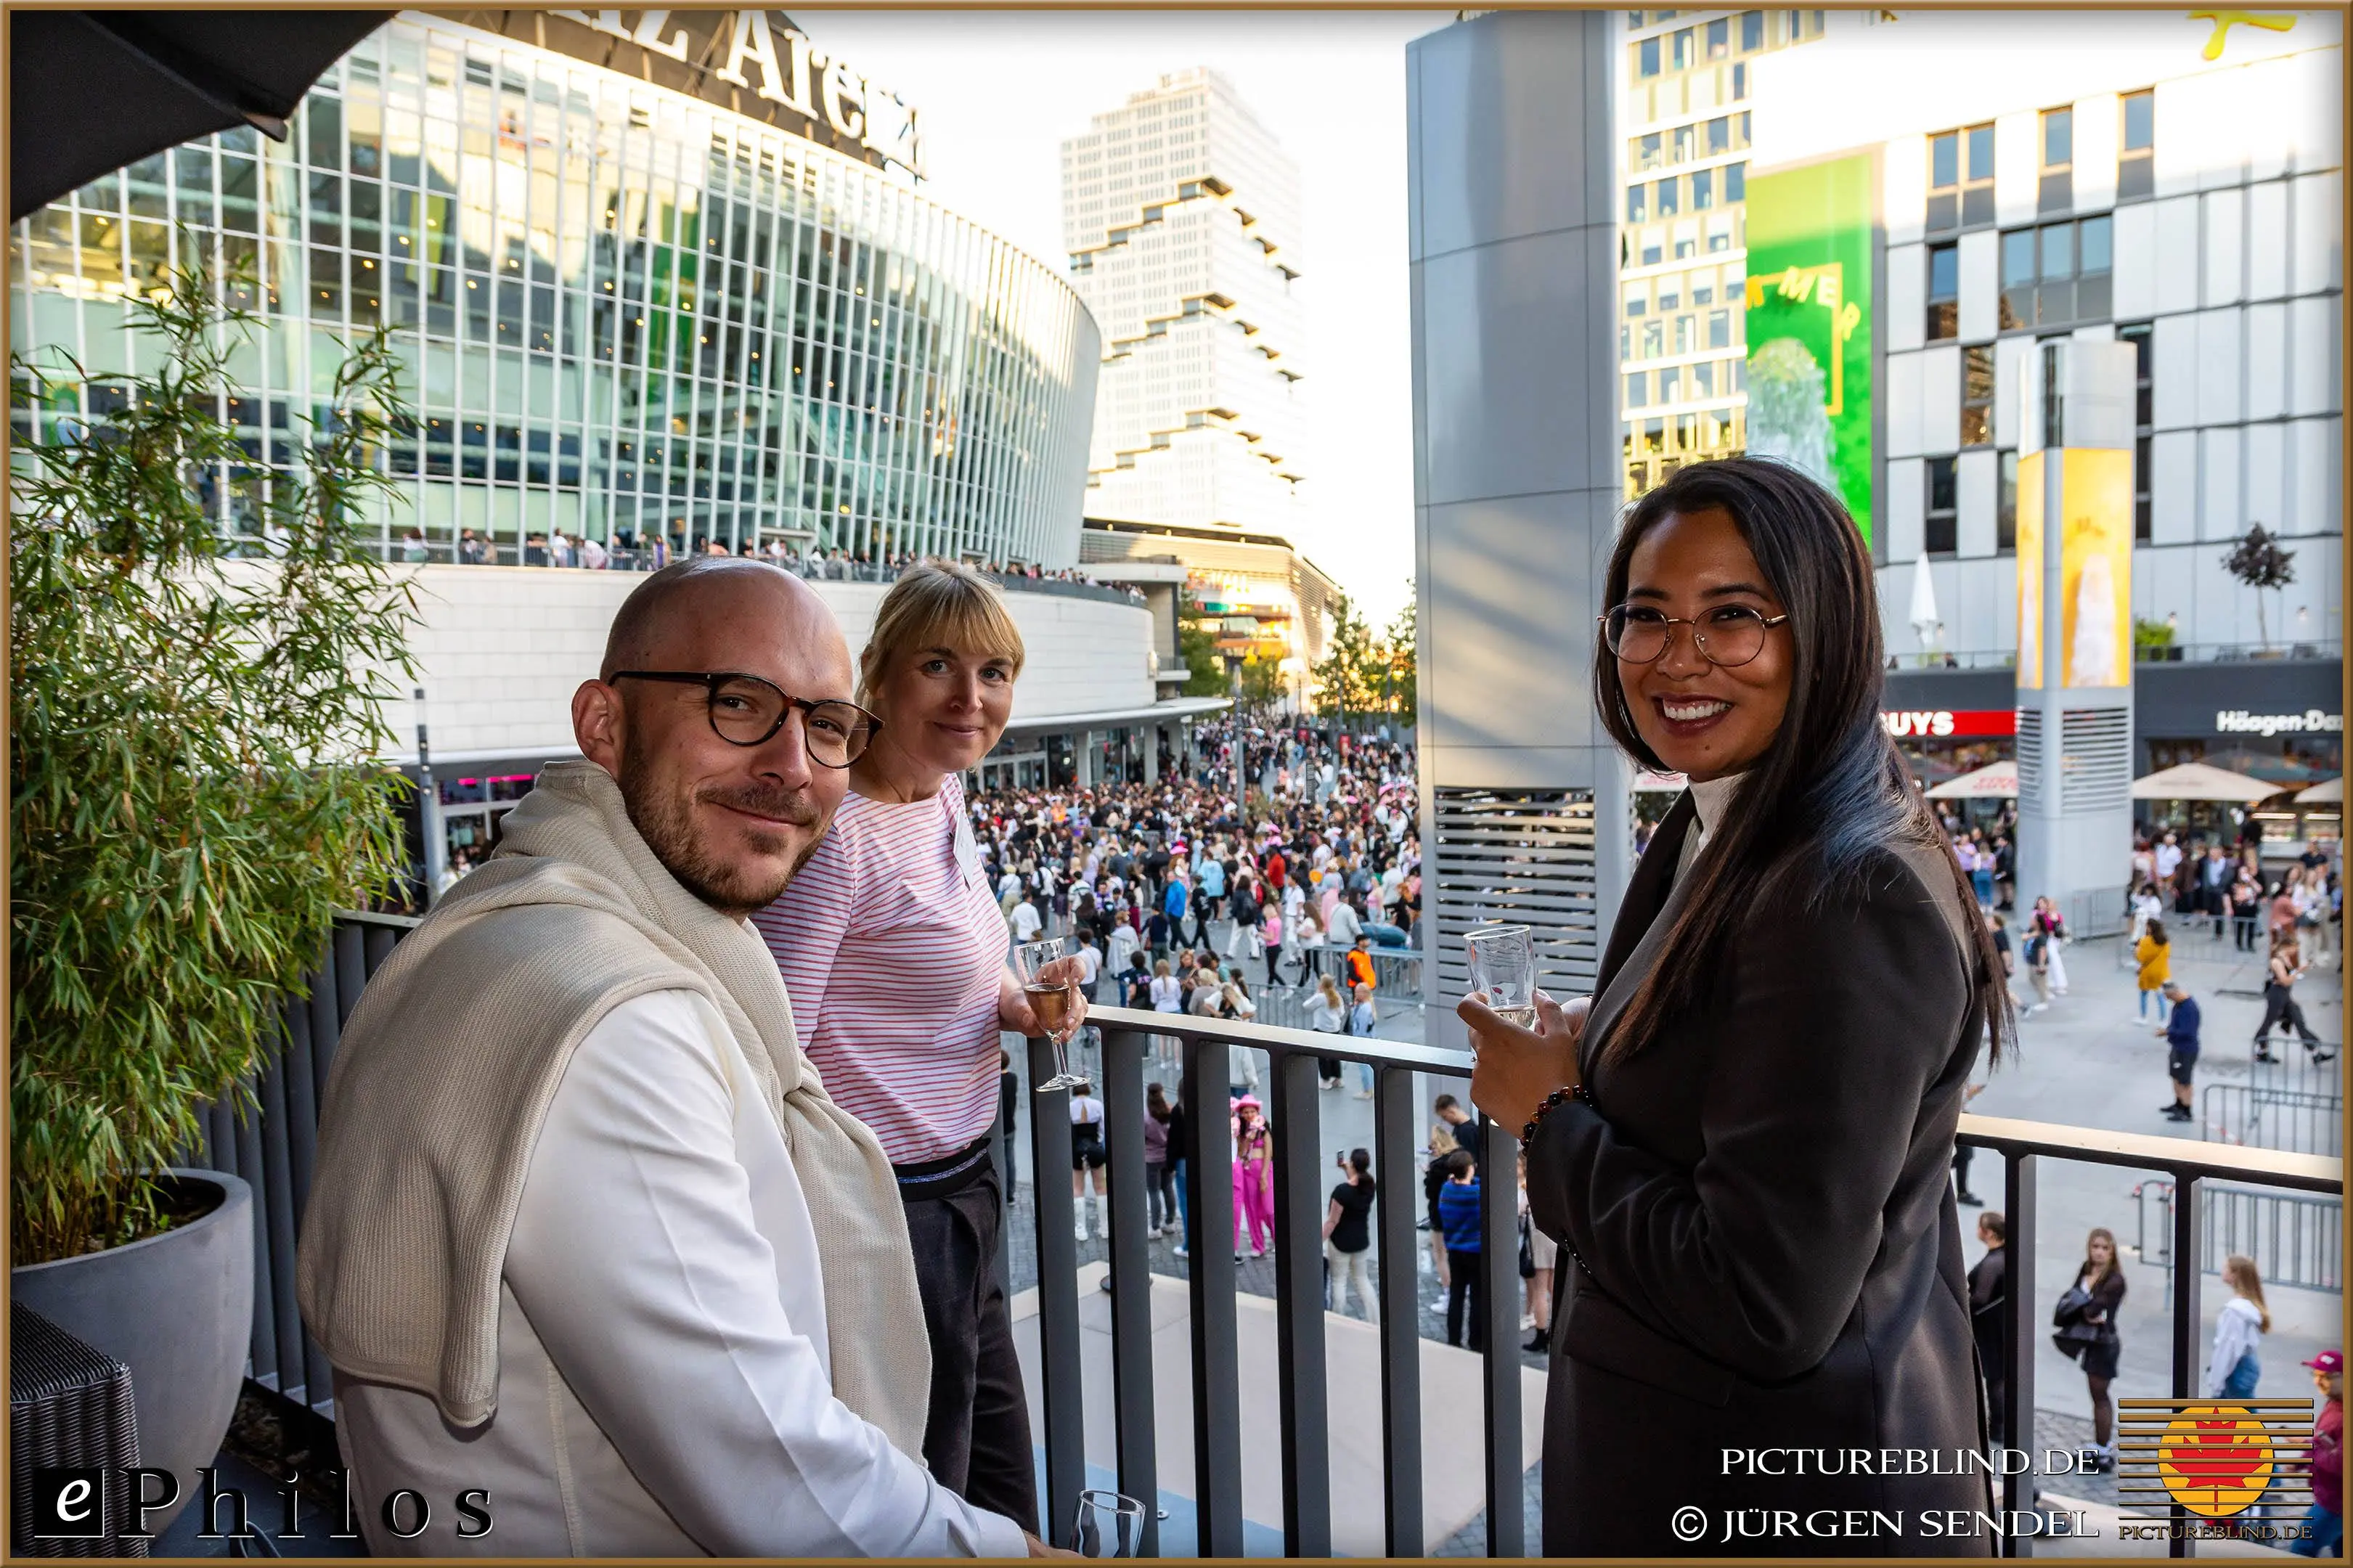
[
  {"x": 2327, "y": 792},
  {"x": 2198, "y": 781},
  {"x": 1924, "y": 620},
  {"x": 1996, "y": 781}
]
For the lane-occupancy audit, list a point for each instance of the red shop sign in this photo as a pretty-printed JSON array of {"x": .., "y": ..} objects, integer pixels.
[{"x": 1936, "y": 724}]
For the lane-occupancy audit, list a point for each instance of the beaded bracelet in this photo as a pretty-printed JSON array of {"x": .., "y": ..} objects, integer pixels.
[{"x": 1577, "y": 1091}]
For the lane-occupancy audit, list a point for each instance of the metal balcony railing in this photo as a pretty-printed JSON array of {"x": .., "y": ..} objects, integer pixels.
[{"x": 273, "y": 1151}]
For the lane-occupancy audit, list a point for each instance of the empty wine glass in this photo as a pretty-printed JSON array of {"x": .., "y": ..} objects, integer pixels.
[
  {"x": 1503, "y": 967},
  {"x": 1050, "y": 1000},
  {"x": 1108, "y": 1525}
]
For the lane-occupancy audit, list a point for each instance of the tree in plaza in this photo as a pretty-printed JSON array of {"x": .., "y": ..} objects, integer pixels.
[
  {"x": 1397, "y": 647},
  {"x": 1205, "y": 666},
  {"x": 1261, "y": 684},
  {"x": 2259, "y": 562},
  {"x": 1348, "y": 677}
]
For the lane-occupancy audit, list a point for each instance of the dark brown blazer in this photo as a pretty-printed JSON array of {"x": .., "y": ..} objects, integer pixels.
[{"x": 1759, "y": 1247}]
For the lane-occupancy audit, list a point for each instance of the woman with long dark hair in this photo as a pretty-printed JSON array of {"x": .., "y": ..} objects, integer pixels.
[{"x": 1741, "y": 1141}]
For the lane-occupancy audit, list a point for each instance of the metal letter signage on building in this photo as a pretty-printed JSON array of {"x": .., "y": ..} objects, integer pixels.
[
  {"x": 763, "y": 54},
  {"x": 2311, "y": 721}
]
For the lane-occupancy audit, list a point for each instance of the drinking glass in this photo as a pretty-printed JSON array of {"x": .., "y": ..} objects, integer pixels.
[
  {"x": 1108, "y": 1525},
  {"x": 1504, "y": 966},
  {"x": 1050, "y": 1000}
]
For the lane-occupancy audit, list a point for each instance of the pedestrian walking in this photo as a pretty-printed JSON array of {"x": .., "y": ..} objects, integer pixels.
[
  {"x": 2155, "y": 954},
  {"x": 2282, "y": 971},
  {"x": 1159, "y": 1168},
  {"x": 1327, "y": 1014},
  {"x": 2233, "y": 1369},
  {"x": 1253, "y": 1177},
  {"x": 2323, "y": 1525},
  {"x": 2085, "y": 1325},
  {"x": 1433, "y": 1181},
  {"x": 1538, "y": 1253},
  {"x": 1089, "y": 1162},
  {"x": 2180, "y": 1038},
  {"x": 2053, "y": 926},
  {"x": 1363, "y": 1018},
  {"x": 1347, "y": 1234},
  {"x": 1989, "y": 1309},
  {"x": 1458, "y": 1213}
]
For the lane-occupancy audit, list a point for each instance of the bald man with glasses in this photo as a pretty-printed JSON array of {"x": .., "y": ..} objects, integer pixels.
[{"x": 588, "y": 1237}]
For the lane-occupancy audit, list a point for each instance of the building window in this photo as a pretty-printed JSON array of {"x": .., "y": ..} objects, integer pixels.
[
  {"x": 1719, "y": 38},
  {"x": 2058, "y": 189},
  {"x": 1960, "y": 179},
  {"x": 2137, "y": 334},
  {"x": 1646, "y": 152},
  {"x": 1670, "y": 197},
  {"x": 1719, "y": 329},
  {"x": 1703, "y": 188},
  {"x": 1719, "y": 135},
  {"x": 1646, "y": 60},
  {"x": 2142, "y": 511},
  {"x": 1942, "y": 536},
  {"x": 1943, "y": 291},
  {"x": 1671, "y": 384},
  {"x": 1740, "y": 82},
  {"x": 1735, "y": 182},
  {"x": 1682, "y": 50},
  {"x": 1751, "y": 31},
  {"x": 2136, "y": 153},
  {"x": 2005, "y": 508},
  {"x": 1637, "y": 197},
  {"x": 1637, "y": 389},
  {"x": 2057, "y": 274},
  {"x": 1977, "y": 396}
]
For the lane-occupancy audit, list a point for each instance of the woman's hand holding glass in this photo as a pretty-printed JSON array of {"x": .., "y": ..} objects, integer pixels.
[
  {"x": 1040, "y": 996},
  {"x": 1513, "y": 1068}
]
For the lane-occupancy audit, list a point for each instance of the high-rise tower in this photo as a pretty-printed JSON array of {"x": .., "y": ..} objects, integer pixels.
[{"x": 1181, "y": 216}]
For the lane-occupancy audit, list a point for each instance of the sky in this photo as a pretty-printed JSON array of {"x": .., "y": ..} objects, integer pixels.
[{"x": 996, "y": 93}]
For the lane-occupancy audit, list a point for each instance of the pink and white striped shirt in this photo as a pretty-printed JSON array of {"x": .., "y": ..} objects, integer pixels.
[{"x": 893, "y": 953}]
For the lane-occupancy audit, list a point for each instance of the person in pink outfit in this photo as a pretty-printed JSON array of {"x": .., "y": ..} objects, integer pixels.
[{"x": 1253, "y": 1177}]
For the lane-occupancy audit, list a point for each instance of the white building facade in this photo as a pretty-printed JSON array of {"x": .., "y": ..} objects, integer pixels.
[
  {"x": 1181, "y": 214},
  {"x": 2099, "y": 177}
]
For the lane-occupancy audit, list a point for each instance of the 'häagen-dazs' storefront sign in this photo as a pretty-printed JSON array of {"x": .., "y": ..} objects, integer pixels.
[
  {"x": 755, "y": 63},
  {"x": 2311, "y": 721}
]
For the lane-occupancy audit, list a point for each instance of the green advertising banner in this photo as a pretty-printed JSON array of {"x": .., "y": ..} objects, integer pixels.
[{"x": 1809, "y": 322}]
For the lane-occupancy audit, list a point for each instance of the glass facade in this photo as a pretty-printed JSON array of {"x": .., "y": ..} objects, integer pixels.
[{"x": 626, "y": 314}]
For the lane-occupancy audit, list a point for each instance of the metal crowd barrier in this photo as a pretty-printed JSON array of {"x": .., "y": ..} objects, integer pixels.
[{"x": 2303, "y": 1121}]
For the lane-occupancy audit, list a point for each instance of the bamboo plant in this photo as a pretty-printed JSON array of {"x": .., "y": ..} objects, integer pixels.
[{"x": 195, "y": 715}]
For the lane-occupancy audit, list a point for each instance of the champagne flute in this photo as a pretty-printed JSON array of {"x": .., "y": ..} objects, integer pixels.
[
  {"x": 1108, "y": 1525},
  {"x": 1504, "y": 966},
  {"x": 1050, "y": 1000}
]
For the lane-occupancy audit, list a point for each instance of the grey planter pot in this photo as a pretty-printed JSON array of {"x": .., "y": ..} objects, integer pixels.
[{"x": 177, "y": 1310}]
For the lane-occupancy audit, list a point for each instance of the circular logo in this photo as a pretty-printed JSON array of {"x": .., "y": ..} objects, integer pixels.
[{"x": 2215, "y": 1459}]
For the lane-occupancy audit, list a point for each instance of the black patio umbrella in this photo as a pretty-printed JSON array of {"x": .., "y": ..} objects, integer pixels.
[{"x": 93, "y": 91}]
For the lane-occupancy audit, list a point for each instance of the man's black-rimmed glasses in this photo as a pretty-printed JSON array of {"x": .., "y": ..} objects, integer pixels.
[{"x": 746, "y": 710}]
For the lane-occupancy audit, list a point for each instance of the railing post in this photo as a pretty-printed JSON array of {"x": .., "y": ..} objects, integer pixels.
[
  {"x": 1299, "y": 1310},
  {"x": 1395, "y": 1125},
  {"x": 1216, "y": 1390},
  {"x": 1499, "y": 1233},
  {"x": 2017, "y": 1495},
  {"x": 1131, "y": 1281},
  {"x": 2188, "y": 1330},
  {"x": 1058, "y": 1292}
]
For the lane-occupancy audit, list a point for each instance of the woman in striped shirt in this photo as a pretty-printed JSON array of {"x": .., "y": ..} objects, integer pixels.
[{"x": 893, "y": 953}]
